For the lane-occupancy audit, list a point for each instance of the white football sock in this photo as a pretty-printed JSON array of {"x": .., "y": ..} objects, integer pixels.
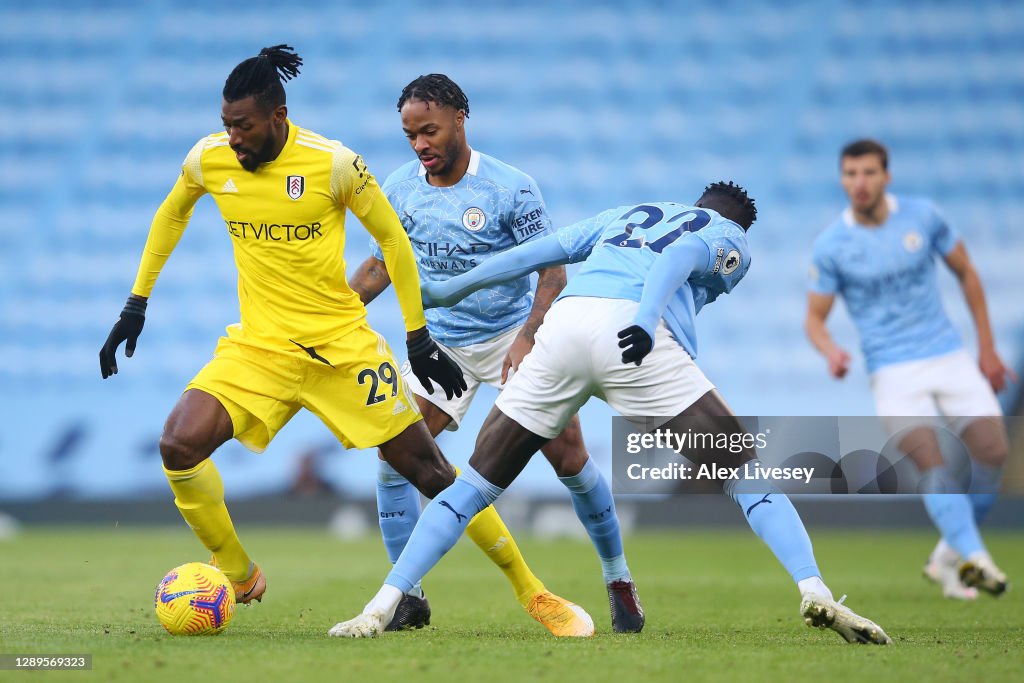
[
  {"x": 385, "y": 601},
  {"x": 814, "y": 585}
]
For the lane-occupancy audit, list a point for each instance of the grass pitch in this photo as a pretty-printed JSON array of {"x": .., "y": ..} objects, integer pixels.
[{"x": 718, "y": 608}]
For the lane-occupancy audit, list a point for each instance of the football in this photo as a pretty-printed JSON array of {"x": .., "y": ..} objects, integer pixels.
[{"x": 194, "y": 599}]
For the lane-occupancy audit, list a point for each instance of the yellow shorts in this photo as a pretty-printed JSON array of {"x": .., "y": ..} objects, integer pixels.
[{"x": 353, "y": 385}]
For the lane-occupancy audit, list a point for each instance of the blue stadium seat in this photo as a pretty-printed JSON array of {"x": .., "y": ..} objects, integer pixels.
[{"x": 604, "y": 103}]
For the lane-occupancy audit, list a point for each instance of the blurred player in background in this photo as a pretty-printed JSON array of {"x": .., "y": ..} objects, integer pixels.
[
  {"x": 303, "y": 340},
  {"x": 879, "y": 255},
  {"x": 649, "y": 270},
  {"x": 461, "y": 207}
]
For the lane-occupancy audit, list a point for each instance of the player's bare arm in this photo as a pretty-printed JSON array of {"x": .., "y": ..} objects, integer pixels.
[
  {"x": 550, "y": 283},
  {"x": 992, "y": 366},
  {"x": 370, "y": 279},
  {"x": 818, "y": 308}
]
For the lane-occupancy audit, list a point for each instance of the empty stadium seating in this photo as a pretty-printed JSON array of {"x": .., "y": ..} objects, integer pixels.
[{"x": 603, "y": 102}]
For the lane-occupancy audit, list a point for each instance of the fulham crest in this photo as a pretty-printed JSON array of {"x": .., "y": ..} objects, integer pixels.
[{"x": 296, "y": 186}]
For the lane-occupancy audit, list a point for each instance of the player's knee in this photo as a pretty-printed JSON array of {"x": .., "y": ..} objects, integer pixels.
[
  {"x": 178, "y": 454},
  {"x": 987, "y": 443},
  {"x": 566, "y": 459},
  {"x": 567, "y": 452},
  {"x": 433, "y": 478},
  {"x": 992, "y": 453}
]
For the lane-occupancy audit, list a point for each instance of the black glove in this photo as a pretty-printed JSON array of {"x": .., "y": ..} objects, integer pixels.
[
  {"x": 427, "y": 362},
  {"x": 635, "y": 344},
  {"x": 128, "y": 327}
]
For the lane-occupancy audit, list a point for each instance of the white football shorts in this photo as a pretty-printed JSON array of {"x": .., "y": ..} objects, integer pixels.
[
  {"x": 577, "y": 356},
  {"x": 949, "y": 386},
  {"x": 481, "y": 364}
]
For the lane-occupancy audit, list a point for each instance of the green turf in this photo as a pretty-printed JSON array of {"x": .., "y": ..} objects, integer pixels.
[{"x": 718, "y": 608}]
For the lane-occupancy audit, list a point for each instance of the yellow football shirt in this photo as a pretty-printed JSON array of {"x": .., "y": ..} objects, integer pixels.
[{"x": 286, "y": 222}]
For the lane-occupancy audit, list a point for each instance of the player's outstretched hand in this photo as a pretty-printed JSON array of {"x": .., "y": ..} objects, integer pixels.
[
  {"x": 428, "y": 362},
  {"x": 635, "y": 344},
  {"x": 127, "y": 329}
]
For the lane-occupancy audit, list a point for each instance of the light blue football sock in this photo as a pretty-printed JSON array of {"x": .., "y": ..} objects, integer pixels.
[
  {"x": 951, "y": 512},
  {"x": 984, "y": 489},
  {"x": 592, "y": 500},
  {"x": 440, "y": 526},
  {"x": 774, "y": 519},
  {"x": 398, "y": 509}
]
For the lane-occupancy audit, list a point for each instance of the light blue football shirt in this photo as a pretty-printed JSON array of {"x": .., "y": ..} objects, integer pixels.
[
  {"x": 453, "y": 229},
  {"x": 620, "y": 245},
  {"x": 886, "y": 276}
]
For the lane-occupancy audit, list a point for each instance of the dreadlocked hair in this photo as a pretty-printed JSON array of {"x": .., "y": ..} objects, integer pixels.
[
  {"x": 261, "y": 76},
  {"x": 737, "y": 205},
  {"x": 436, "y": 88}
]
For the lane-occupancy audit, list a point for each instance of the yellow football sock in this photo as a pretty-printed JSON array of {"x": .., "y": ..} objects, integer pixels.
[
  {"x": 199, "y": 495},
  {"x": 491, "y": 535}
]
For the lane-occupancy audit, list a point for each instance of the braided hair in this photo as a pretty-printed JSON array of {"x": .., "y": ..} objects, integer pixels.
[
  {"x": 733, "y": 202},
  {"x": 436, "y": 88},
  {"x": 261, "y": 76}
]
